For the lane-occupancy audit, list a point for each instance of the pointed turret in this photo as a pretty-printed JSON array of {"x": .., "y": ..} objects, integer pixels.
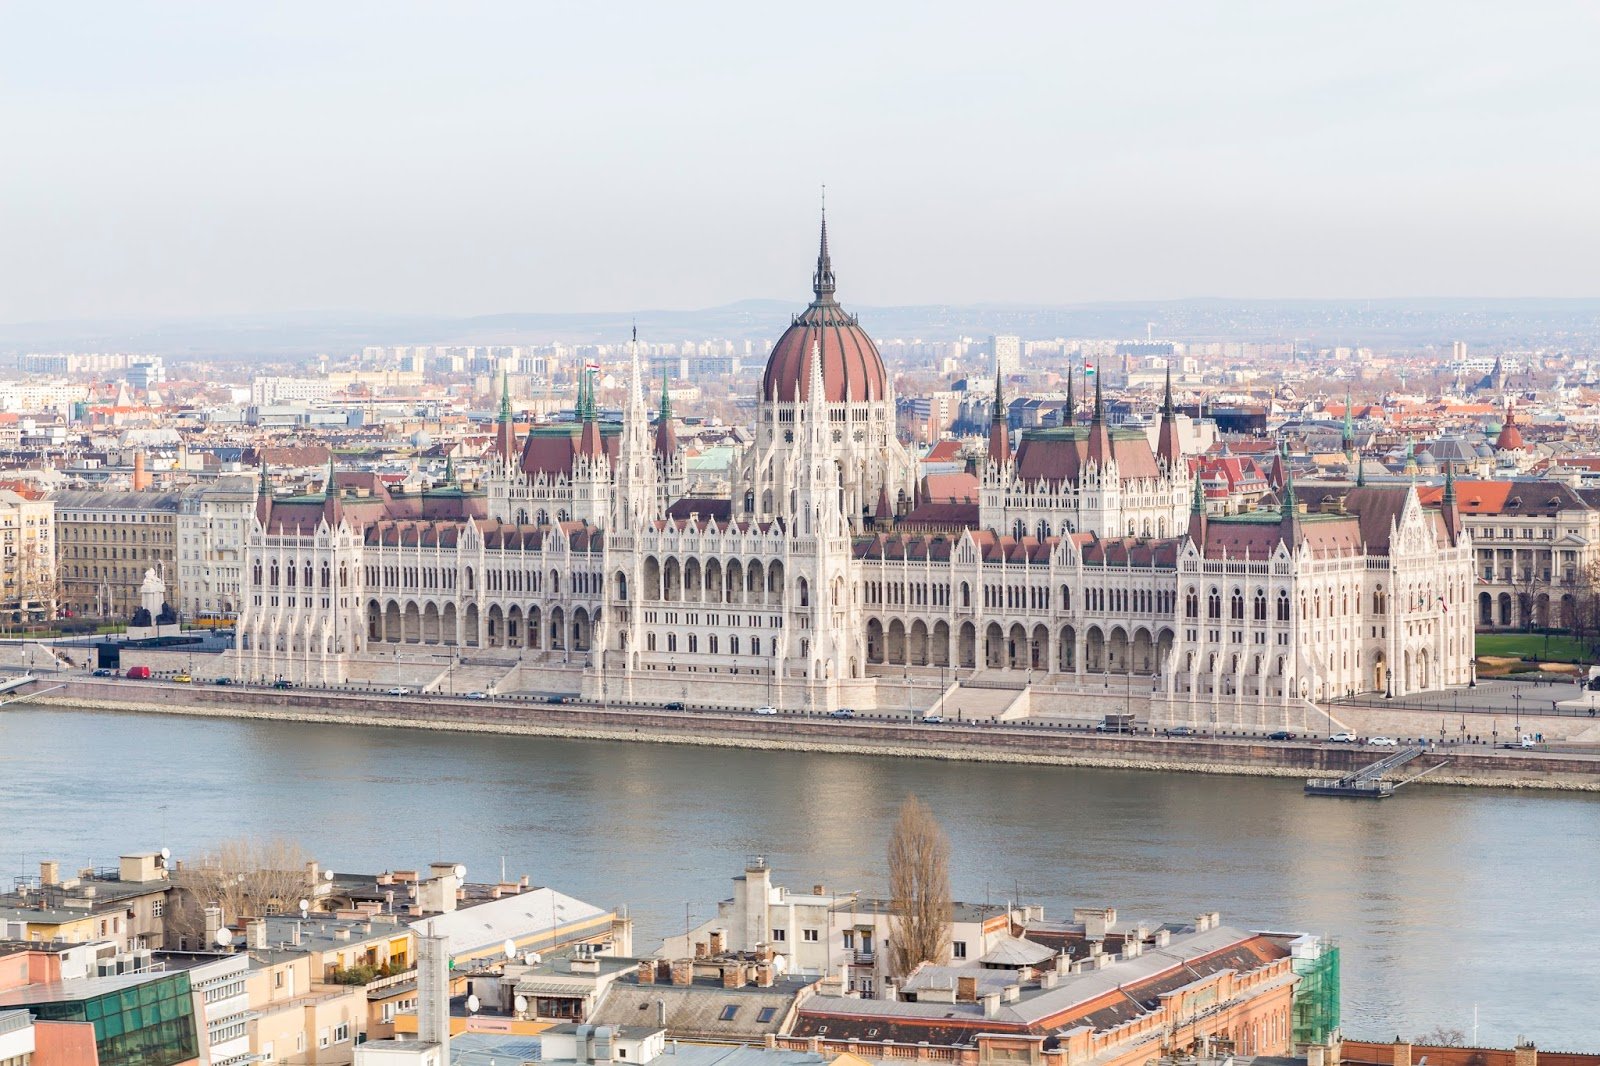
[
  {"x": 1278, "y": 472},
  {"x": 264, "y": 494},
  {"x": 1447, "y": 504},
  {"x": 1099, "y": 436},
  {"x": 1072, "y": 414},
  {"x": 329, "y": 491},
  {"x": 505, "y": 433},
  {"x": 822, "y": 284},
  {"x": 666, "y": 438},
  {"x": 1197, "y": 514},
  {"x": 589, "y": 442},
  {"x": 1289, "y": 515},
  {"x": 1347, "y": 435},
  {"x": 1168, "y": 450},
  {"x": 450, "y": 470},
  {"x": 1510, "y": 438},
  {"x": 999, "y": 428}
]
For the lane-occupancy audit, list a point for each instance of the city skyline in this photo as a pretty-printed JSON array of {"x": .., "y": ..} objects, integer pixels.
[{"x": 520, "y": 160}]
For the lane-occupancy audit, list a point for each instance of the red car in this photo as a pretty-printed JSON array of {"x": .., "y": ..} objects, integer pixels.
[{"x": 139, "y": 673}]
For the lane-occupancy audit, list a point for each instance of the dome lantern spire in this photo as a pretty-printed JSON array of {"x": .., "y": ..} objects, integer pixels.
[{"x": 822, "y": 284}]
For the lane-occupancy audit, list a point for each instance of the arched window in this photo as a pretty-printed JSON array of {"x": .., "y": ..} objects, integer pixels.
[
  {"x": 1236, "y": 606},
  {"x": 1214, "y": 603},
  {"x": 1283, "y": 605},
  {"x": 1191, "y": 604},
  {"x": 1260, "y": 608}
]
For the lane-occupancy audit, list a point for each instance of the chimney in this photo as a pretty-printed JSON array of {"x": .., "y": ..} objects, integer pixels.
[
  {"x": 682, "y": 972},
  {"x": 1525, "y": 1054},
  {"x": 294, "y": 938},
  {"x": 663, "y": 972},
  {"x": 647, "y": 972},
  {"x": 819, "y": 890},
  {"x": 991, "y": 1004},
  {"x": 49, "y": 873},
  {"x": 313, "y": 874},
  {"x": 141, "y": 478},
  {"x": 256, "y": 933},
  {"x": 213, "y": 926},
  {"x": 764, "y": 975},
  {"x": 1011, "y": 993},
  {"x": 1049, "y": 978},
  {"x": 719, "y": 941},
  {"x": 733, "y": 975},
  {"x": 966, "y": 989},
  {"x": 1402, "y": 1052},
  {"x": 1095, "y": 920},
  {"x": 1063, "y": 963},
  {"x": 701, "y": 950}
]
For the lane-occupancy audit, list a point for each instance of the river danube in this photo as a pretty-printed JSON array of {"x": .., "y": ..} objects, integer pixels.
[{"x": 1441, "y": 898}]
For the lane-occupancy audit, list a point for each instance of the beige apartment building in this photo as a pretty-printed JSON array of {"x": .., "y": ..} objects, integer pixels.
[
  {"x": 1534, "y": 545},
  {"x": 106, "y": 540},
  {"x": 27, "y": 558},
  {"x": 213, "y": 523}
]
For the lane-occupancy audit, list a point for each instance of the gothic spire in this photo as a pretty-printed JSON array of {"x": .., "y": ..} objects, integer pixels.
[
  {"x": 505, "y": 396},
  {"x": 1166, "y": 400},
  {"x": 822, "y": 284},
  {"x": 666, "y": 398},
  {"x": 1072, "y": 417},
  {"x": 1449, "y": 483},
  {"x": 999, "y": 425}
]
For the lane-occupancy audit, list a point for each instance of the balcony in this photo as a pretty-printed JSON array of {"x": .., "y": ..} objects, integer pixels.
[{"x": 864, "y": 958}]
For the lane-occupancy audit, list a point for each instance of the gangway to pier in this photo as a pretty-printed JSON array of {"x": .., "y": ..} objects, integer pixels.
[{"x": 1368, "y": 782}]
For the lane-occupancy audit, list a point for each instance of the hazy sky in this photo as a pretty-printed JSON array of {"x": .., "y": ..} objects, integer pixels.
[{"x": 208, "y": 158}]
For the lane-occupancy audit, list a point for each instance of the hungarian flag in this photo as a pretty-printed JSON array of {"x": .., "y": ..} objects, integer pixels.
[
  {"x": 1088, "y": 368},
  {"x": 592, "y": 368}
]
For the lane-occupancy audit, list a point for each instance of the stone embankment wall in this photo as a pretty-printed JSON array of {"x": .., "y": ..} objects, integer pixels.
[{"x": 1046, "y": 745}]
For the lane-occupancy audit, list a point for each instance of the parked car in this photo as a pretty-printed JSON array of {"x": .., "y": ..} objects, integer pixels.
[
  {"x": 933, "y": 719},
  {"x": 1342, "y": 738},
  {"x": 477, "y": 695},
  {"x": 105, "y": 671},
  {"x": 675, "y": 705},
  {"x": 282, "y": 683},
  {"x": 399, "y": 690},
  {"x": 183, "y": 679},
  {"x": 556, "y": 699},
  {"x": 139, "y": 673},
  {"x": 1181, "y": 731},
  {"x": 1382, "y": 742},
  {"x": 1282, "y": 734},
  {"x": 223, "y": 681},
  {"x": 843, "y": 712},
  {"x": 766, "y": 710}
]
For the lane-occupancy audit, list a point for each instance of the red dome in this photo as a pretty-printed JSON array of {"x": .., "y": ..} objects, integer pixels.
[{"x": 851, "y": 366}]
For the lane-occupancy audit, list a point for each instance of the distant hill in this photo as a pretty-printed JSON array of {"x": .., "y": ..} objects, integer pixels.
[{"x": 1533, "y": 322}]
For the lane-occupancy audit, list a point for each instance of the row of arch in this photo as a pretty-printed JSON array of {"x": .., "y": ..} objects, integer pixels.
[
  {"x": 1138, "y": 651},
  {"x": 499, "y": 626},
  {"x": 714, "y": 581}
]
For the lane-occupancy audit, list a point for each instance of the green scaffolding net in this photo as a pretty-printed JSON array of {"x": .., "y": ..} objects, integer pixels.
[{"x": 1316, "y": 1000}]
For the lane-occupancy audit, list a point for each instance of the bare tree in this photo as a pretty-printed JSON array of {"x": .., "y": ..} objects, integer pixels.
[
  {"x": 919, "y": 886},
  {"x": 1439, "y": 1036},
  {"x": 247, "y": 877}
]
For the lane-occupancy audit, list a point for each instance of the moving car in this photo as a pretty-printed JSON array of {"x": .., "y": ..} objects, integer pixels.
[
  {"x": 477, "y": 695},
  {"x": 766, "y": 710},
  {"x": 843, "y": 712},
  {"x": 399, "y": 690},
  {"x": 183, "y": 679},
  {"x": 1282, "y": 734},
  {"x": 1382, "y": 742},
  {"x": 933, "y": 719},
  {"x": 139, "y": 673},
  {"x": 223, "y": 681},
  {"x": 675, "y": 705},
  {"x": 105, "y": 672},
  {"x": 1342, "y": 738},
  {"x": 281, "y": 683},
  {"x": 1181, "y": 731}
]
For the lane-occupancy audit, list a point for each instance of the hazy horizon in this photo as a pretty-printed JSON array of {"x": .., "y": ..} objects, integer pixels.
[{"x": 392, "y": 159}]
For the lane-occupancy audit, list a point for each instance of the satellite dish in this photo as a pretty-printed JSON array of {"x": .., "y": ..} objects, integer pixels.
[
  {"x": 224, "y": 937},
  {"x": 533, "y": 958},
  {"x": 473, "y": 1005},
  {"x": 327, "y": 875},
  {"x": 461, "y": 871},
  {"x": 780, "y": 963},
  {"x": 166, "y": 853},
  {"x": 305, "y": 905},
  {"x": 522, "y": 1004},
  {"x": 510, "y": 948}
]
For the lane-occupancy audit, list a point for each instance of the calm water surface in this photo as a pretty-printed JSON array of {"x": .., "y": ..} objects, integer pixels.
[{"x": 1441, "y": 898}]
